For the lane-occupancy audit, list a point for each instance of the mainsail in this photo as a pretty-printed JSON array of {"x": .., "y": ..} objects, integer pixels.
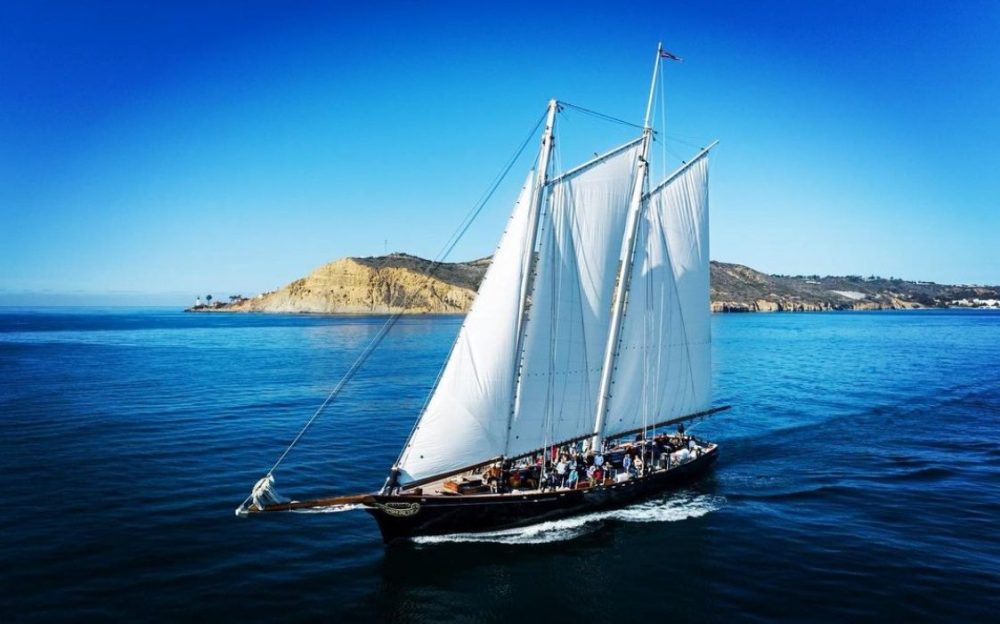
[
  {"x": 543, "y": 339},
  {"x": 568, "y": 319},
  {"x": 663, "y": 366},
  {"x": 465, "y": 420},
  {"x": 492, "y": 401}
]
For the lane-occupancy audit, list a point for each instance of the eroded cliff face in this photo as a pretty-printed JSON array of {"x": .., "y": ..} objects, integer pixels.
[{"x": 372, "y": 285}]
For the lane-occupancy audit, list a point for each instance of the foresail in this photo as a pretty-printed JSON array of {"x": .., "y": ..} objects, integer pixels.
[
  {"x": 568, "y": 317},
  {"x": 465, "y": 421},
  {"x": 663, "y": 369}
]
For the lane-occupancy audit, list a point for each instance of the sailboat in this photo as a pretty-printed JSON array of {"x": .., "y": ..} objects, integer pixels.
[{"x": 589, "y": 340}]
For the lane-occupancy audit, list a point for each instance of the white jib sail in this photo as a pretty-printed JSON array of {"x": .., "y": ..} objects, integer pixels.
[
  {"x": 465, "y": 421},
  {"x": 664, "y": 366},
  {"x": 570, "y": 309}
]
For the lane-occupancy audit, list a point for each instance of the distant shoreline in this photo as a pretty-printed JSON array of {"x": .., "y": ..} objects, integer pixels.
[
  {"x": 224, "y": 310},
  {"x": 401, "y": 282}
]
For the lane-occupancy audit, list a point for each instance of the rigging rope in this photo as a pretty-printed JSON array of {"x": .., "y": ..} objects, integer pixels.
[
  {"x": 442, "y": 255},
  {"x": 663, "y": 122},
  {"x": 696, "y": 146},
  {"x": 603, "y": 116}
]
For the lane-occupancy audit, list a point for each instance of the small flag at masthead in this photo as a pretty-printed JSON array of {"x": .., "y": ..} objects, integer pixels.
[{"x": 670, "y": 55}]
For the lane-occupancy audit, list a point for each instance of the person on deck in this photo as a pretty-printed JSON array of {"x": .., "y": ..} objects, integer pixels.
[
  {"x": 627, "y": 463},
  {"x": 639, "y": 465},
  {"x": 562, "y": 469},
  {"x": 599, "y": 459},
  {"x": 492, "y": 477},
  {"x": 549, "y": 481},
  {"x": 573, "y": 479},
  {"x": 598, "y": 476},
  {"x": 514, "y": 481}
]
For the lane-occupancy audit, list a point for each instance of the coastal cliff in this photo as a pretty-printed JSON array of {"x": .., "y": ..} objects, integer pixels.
[
  {"x": 399, "y": 282},
  {"x": 384, "y": 284}
]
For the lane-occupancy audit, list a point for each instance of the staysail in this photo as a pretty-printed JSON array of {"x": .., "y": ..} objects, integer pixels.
[
  {"x": 465, "y": 420},
  {"x": 580, "y": 242},
  {"x": 663, "y": 366}
]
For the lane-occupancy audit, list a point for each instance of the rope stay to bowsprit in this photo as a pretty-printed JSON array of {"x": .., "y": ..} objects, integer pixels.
[{"x": 263, "y": 492}]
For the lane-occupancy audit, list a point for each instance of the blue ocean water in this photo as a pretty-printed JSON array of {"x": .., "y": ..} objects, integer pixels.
[{"x": 859, "y": 478}]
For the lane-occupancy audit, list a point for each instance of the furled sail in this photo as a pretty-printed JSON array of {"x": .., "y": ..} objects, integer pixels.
[
  {"x": 465, "y": 420},
  {"x": 663, "y": 368},
  {"x": 567, "y": 326}
]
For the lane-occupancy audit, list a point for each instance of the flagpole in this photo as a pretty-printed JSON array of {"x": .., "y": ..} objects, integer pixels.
[{"x": 652, "y": 86}]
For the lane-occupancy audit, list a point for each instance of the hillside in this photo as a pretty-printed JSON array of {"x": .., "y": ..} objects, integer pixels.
[
  {"x": 384, "y": 284},
  {"x": 372, "y": 285},
  {"x": 736, "y": 288}
]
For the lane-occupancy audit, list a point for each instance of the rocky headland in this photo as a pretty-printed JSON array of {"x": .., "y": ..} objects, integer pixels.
[
  {"x": 383, "y": 284},
  {"x": 400, "y": 283}
]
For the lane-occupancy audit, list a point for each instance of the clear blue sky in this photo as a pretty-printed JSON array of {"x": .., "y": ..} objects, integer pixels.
[{"x": 185, "y": 147}]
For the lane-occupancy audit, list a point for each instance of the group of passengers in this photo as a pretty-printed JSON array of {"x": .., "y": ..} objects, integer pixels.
[{"x": 574, "y": 467}]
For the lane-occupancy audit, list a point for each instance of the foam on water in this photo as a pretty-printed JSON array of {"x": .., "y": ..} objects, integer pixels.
[
  {"x": 673, "y": 508},
  {"x": 331, "y": 509}
]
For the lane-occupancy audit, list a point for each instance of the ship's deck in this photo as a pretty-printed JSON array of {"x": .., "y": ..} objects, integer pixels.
[{"x": 476, "y": 482}]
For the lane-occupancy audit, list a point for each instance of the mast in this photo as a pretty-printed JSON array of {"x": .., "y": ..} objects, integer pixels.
[
  {"x": 624, "y": 270},
  {"x": 541, "y": 179}
]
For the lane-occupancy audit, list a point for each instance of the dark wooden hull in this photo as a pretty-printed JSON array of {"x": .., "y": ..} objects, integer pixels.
[{"x": 404, "y": 516}]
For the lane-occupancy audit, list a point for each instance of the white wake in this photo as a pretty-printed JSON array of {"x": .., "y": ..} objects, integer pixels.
[
  {"x": 331, "y": 509},
  {"x": 680, "y": 506}
]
